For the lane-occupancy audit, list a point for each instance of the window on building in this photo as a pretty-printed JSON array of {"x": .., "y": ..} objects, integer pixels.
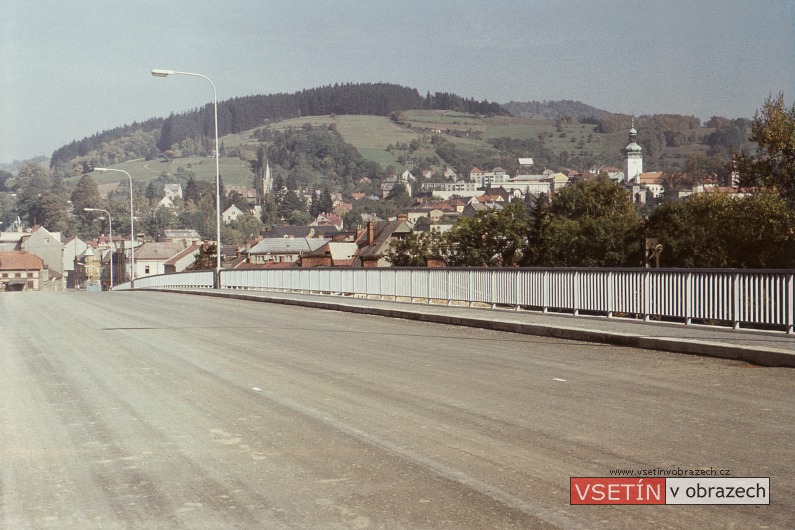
[
  {"x": 146, "y": 269},
  {"x": 30, "y": 285}
]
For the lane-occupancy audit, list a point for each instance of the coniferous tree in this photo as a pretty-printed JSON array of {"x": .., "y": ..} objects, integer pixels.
[
  {"x": 314, "y": 208},
  {"x": 85, "y": 195},
  {"x": 192, "y": 192},
  {"x": 325, "y": 202}
]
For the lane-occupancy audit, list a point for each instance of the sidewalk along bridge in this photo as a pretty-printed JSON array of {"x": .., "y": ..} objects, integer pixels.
[{"x": 753, "y": 299}]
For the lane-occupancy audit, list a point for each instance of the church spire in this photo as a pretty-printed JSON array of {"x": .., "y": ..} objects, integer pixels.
[{"x": 633, "y": 158}]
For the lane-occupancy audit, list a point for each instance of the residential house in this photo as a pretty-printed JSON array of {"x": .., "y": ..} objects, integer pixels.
[
  {"x": 72, "y": 249},
  {"x": 653, "y": 182},
  {"x": 88, "y": 270},
  {"x": 328, "y": 219},
  {"x": 450, "y": 174},
  {"x": 10, "y": 241},
  {"x": 446, "y": 190},
  {"x": 283, "y": 249},
  {"x": 332, "y": 254},
  {"x": 151, "y": 257},
  {"x": 406, "y": 176},
  {"x": 172, "y": 194},
  {"x": 645, "y": 186},
  {"x": 233, "y": 213},
  {"x": 341, "y": 208},
  {"x": 46, "y": 245},
  {"x": 248, "y": 195},
  {"x": 21, "y": 271},
  {"x": 391, "y": 183},
  {"x": 182, "y": 260},
  {"x": 485, "y": 179},
  {"x": 374, "y": 240},
  {"x": 472, "y": 209},
  {"x": 433, "y": 214}
]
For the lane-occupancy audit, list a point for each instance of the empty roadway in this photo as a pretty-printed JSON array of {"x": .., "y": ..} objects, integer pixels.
[{"x": 158, "y": 410}]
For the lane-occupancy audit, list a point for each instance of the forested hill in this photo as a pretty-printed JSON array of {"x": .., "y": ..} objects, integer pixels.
[
  {"x": 553, "y": 110},
  {"x": 243, "y": 113},
  {"x": 92, "y": 143}
]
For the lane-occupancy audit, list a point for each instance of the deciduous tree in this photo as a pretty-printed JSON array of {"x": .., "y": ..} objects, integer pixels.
[
  {"x": 490, "y": 238},
  {"x": 773, "y": 130}
]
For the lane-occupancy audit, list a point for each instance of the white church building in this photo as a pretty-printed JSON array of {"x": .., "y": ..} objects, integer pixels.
[{"x": 633, "y": 158}]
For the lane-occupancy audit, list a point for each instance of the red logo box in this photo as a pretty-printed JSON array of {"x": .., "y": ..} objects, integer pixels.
[{"x": 612, "y": 490}]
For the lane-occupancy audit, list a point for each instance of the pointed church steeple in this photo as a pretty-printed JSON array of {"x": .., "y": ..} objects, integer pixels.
[{"x": 267, "y": 180}]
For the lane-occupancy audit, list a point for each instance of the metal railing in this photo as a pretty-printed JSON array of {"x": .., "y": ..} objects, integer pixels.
[{"x": 737, "y": 298}]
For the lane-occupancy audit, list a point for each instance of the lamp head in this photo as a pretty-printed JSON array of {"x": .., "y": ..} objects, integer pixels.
[
  {"x": 100, "y": 169},
  {"x": 157, "y": 72}
]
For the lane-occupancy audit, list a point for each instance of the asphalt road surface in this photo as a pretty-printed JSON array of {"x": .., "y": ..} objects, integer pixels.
[{"x": 155, "y": 410}]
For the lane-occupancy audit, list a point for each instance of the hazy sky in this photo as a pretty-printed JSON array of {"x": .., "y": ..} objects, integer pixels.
[{"x": 69, "y": 69}]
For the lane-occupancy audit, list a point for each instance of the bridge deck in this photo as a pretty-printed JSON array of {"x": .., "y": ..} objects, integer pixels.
[{"x": 768, "y": 348}]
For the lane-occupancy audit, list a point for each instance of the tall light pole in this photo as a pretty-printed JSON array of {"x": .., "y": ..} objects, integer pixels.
[
  {"x": 132, "y": 220},
  {"x": 165, "y": 73},
  {"x": 110, "y": 233}
]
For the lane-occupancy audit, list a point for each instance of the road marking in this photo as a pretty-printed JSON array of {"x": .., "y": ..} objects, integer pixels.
[
  {"x": 256, "y": 389},
  {"x": 558, "y": 379}
]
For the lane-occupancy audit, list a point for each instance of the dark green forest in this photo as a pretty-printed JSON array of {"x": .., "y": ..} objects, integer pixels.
[{"x": 244, "y": 113}]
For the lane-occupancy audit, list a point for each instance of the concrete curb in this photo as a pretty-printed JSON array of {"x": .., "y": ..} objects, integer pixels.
[{"x": 762, "y": 356}]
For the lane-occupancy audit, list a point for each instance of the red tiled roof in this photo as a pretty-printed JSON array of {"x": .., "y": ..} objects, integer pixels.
[{"x": 20, "y": 261}]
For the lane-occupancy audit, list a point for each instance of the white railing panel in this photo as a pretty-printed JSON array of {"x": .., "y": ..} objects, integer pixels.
[{"x": 738, "y": 298}]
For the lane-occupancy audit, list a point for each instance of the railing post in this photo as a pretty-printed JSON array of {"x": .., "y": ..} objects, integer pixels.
[
  {"x": 790, "y": 304},
  {"x": 610, "y": 284},
  {"x": 493, "y": 288},
  {"x": 646, "y": 293},
  {"x": 428, "y": 290},
  {"x": 688, "y": 298},
  {"x": 518, "y": 291},
  {"x": 449, "y": 288},
  {"x": 471, "y": 286},
  {"x": 545, "y": 294},
  {"x": 735, "y": 300},
  {"x": 576, "y": 292}
]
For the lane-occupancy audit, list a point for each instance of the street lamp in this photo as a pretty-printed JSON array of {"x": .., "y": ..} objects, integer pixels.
[
  {"x": 110, "y": 233},
  {"x": 157, "y": 72},
  {"x": 132, "y": 221}
]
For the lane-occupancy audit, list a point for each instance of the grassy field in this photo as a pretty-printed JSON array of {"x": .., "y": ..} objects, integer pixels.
[{"x": 234, "y": 171}]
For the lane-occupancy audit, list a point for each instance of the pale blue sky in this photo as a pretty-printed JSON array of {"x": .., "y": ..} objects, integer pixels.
[{"x": 69, "y": 69}]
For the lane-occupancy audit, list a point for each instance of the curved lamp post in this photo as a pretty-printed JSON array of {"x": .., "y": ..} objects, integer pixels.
[
  {"x": 165, "y": 73},
  {"x": 132, "y": 221},
  {"x": 110, "y": 232}
]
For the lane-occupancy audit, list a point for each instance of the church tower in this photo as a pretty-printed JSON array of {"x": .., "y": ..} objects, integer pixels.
[
  {"x": 267, "y": 179},
  {"x": 633, "y": 158}
]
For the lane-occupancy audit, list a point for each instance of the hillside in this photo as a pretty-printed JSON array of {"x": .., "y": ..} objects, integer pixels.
[
  {"x": 554, "y": 110},
  {"x": 424, "y": 139},
  {"x": 335, "y": 136}
]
